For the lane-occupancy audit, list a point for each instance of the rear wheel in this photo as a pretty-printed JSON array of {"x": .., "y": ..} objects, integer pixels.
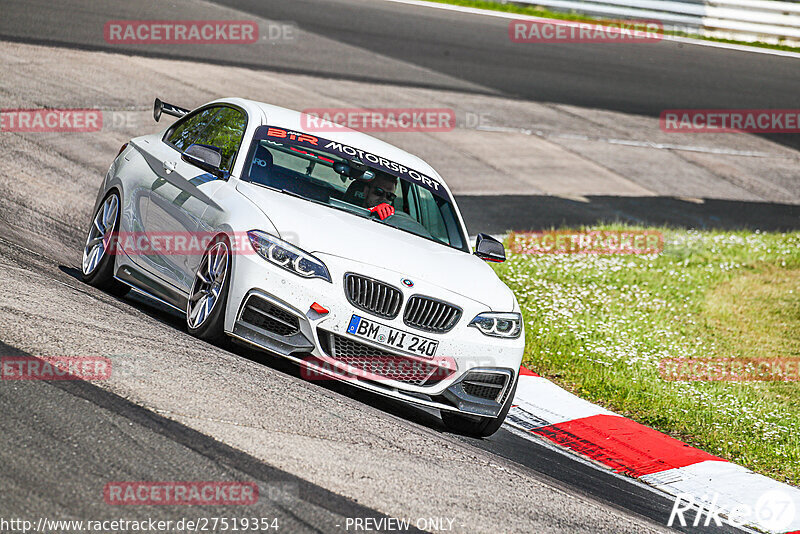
[
  {"x": 475, "y": 426},
  {"x": 205, "y": 312},
  {"x": 97, "y": 267}
]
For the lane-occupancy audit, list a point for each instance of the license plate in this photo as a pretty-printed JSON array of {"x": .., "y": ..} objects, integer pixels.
[{"x": 391, "y": 337}]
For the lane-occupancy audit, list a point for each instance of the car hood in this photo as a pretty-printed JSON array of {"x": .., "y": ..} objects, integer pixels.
[{"x": 323, "y": 230}]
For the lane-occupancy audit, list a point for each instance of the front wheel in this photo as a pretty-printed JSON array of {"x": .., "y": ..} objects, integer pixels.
[
  {"x": 475, "y": 426},
  {"x": 97, "y": 266},
  {"x": 205, "y": 311}
]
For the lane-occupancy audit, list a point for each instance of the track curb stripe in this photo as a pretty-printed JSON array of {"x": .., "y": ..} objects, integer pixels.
[
  {"x": 623, "y": 445},
  {"x": 546, "y": 411}
]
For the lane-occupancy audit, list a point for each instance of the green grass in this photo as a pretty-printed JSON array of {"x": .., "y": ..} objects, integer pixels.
[
  {"x": 538, "y": 11},
  {"x": 599, "y": 325}
]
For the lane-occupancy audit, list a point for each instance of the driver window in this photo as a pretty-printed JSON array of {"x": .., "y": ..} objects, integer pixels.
[
  {"x": 186, "y": 131},
  {"x": 225, "y": 131}
]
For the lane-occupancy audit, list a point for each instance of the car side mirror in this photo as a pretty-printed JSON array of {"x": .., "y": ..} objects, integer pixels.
[
  {"x": 206, "y": 157},
  {"x": 488, "y": 248}
]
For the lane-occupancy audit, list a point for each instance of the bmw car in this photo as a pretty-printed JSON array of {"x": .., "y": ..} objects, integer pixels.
[{"x": 336, "y": 250}]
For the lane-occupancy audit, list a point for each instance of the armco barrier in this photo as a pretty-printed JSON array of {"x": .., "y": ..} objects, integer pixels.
[{"x": 742, "y": 20}]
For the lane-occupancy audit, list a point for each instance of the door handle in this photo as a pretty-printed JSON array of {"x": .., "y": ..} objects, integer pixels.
[{"x": 169, "y": 166}]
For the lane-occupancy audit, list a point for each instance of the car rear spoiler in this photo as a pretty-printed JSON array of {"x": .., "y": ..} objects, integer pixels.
[{"x": 160, "y": 107}]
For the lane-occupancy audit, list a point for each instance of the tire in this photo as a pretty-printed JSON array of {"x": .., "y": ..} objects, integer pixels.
[
  {"x": 97, "y": 265},
  {"x": 211, "y": 282},
  {"x": 475, "y": 426}
]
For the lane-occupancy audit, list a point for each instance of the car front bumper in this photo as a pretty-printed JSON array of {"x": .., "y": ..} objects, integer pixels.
[{"x": 284, "y": 323}]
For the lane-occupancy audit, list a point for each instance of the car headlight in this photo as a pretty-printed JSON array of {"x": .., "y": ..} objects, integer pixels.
[
  {"x": 287, "y": 256},
  {"x": 508, "y": 325}
]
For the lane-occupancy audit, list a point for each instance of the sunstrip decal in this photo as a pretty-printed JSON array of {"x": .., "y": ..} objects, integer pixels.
[{"x": 291, "y": 137}]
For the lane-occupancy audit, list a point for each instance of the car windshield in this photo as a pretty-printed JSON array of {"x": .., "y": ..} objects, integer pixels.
[{"x": 353, "y": 180}]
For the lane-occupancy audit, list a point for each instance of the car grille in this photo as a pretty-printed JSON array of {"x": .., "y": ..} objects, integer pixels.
[
  {"x": 373, "y": 296},
  {"x": 265, "y": 315},
  {"x": 485, "y": 385},
  {"x": 379, "y": 364},
  {"x": 430, "y": 314}
]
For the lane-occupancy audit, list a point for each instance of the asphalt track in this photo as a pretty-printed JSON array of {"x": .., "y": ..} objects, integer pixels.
[
  {"x": 472, "y": 49},
  {"x": 72, "y": 438},
  {"x": 470, "y": 58},
  {"x": 62, "y": 441}
]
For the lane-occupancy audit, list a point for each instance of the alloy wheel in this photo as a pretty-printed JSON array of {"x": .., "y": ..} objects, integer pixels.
[
  {"x": 208, "y": 283},
  {"x": 100, "y": 234}
]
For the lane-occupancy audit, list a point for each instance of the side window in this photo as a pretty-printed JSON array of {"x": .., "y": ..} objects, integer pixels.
[
  {"x": 186, "y": 132},
  {"x": 225, "y": 131}
]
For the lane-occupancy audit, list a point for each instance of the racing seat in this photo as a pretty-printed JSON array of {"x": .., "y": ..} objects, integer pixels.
[
  {"x": 261, "y": 167},
  {"x": 264, "y": 171},
  {"x": 350, "y": 196}
]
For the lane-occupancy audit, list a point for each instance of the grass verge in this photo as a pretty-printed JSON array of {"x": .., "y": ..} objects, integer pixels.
[
  {"x": 538, "y": 11},
  {"x": 599, "y": 325}
]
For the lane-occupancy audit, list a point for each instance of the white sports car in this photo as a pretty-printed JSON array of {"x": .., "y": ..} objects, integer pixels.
[{"x": 342, "y": 253}]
